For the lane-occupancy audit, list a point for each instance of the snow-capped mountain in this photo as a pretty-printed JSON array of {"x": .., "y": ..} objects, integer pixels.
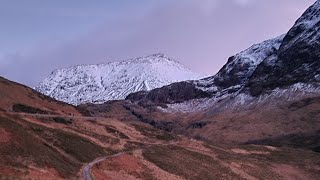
[
  {"x": 231, "y": 78},
  {"x": 113, "y": 81},
  {"x": 283, "y": 62}
]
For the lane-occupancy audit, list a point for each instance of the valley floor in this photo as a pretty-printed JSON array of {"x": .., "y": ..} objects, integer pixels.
[{"x": 70, "y": 147}]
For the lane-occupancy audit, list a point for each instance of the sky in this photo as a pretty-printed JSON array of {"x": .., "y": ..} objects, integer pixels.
[{"x": 38, "y": 36}]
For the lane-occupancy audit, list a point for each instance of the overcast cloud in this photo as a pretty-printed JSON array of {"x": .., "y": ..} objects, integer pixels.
[{"x": 41, "y": 35}]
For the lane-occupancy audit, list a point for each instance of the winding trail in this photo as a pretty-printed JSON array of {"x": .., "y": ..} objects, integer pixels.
[{"x": 86, "y": 170}]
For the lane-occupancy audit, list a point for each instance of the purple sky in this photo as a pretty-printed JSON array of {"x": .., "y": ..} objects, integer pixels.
[{"x": 38, "y": 36}]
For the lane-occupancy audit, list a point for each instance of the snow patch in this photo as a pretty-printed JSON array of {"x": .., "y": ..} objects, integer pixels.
[{"x": 243, "y": 100}]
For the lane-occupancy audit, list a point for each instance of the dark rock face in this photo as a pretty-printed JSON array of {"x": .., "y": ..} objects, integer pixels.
[
  {"x": 176, "y": 92},
  {"x": 233, "y": 77},
  {"x": 297, "y": 60},
  {"x": 198, "y": 125},
  {"x": 137, "y": 96}
]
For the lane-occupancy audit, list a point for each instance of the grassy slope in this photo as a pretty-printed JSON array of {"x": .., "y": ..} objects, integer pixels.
[{"x": 35, "y": 144}]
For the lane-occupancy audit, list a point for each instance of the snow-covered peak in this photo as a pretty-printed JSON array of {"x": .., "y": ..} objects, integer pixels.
[
  {"x": 236, "y": 72},
  {"x": 115, "y": 80},
  {"x": 255, "y": 54}
]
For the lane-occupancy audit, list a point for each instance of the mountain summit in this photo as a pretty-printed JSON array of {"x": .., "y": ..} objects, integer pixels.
[{"x": 112, "y": 81}]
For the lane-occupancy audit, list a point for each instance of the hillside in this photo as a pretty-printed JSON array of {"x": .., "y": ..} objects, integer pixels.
[
  {"x": 112, "y": 142},
  {"x": 19, "y": 98}
]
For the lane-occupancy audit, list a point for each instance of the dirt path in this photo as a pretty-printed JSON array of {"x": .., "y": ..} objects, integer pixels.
[
  {"x": 86, "y": 170},
  {"x": 86, "y": 175}
]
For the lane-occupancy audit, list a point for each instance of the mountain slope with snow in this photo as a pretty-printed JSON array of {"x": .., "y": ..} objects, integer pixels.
[
  {"x": 236, "y": 72},
  {"x": 231, "y": 78},
  {"x": 296, "y": 61},
  {"x": 113, "y": 81},
  {"x": 279, "y": 63}
]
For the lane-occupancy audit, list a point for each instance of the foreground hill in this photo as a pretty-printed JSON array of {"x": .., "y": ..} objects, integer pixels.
[
  {"x": 19, "y": 98},
  {"x": 46, "y": 142},
  {"x": 112, "y": 81}
]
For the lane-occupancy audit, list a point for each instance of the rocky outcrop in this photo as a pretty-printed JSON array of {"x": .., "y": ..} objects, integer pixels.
[{"x": 176, "y": 92}]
